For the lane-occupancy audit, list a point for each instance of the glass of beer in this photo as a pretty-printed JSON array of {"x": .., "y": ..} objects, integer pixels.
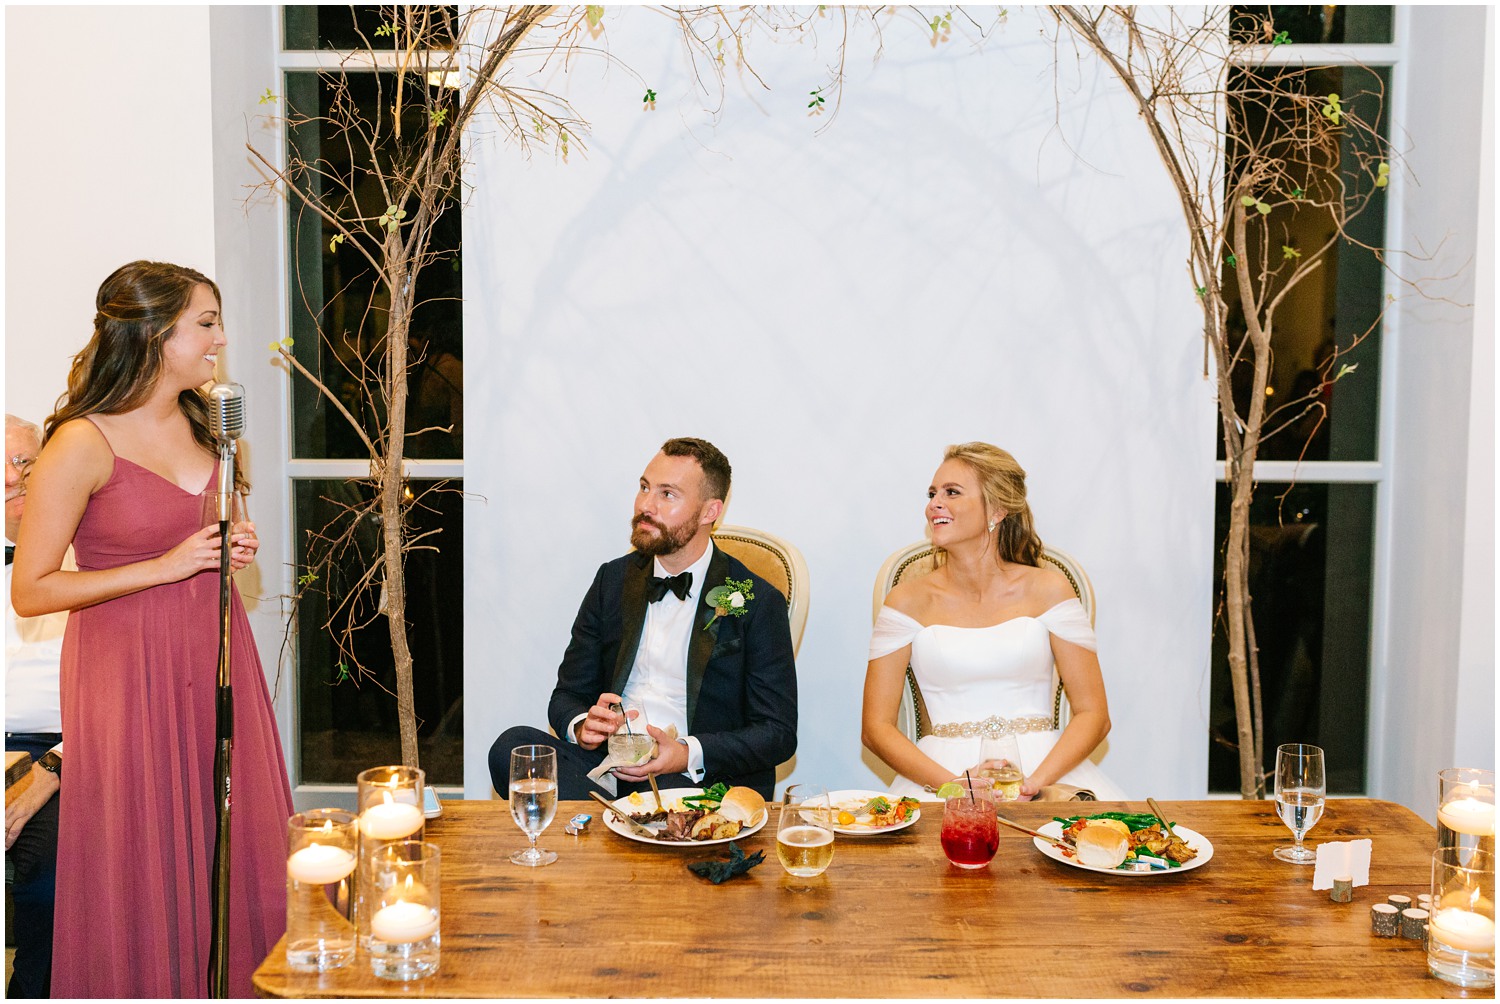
[
  {"x": 970, "y": 834},
  {"x": 804, "y": 837}
]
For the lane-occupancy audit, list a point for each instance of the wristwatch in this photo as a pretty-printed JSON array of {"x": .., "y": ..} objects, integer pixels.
[{"x": 50, "y": 761}]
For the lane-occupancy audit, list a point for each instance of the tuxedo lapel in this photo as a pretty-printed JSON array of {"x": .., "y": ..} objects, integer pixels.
[
  {"x": 701, "y": 645},
  {"x": 632, "y": 618}
]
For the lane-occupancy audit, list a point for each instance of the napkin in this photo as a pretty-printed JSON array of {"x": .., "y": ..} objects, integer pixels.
[
  {"x": 1340, "y": 858},
  {"x": 722, "y": 871},
  {"x": 601, "y": 775}
]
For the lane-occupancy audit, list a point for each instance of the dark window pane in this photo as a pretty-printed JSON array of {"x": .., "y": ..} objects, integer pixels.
[
  {"x": 346, "y": 27},
  {"x": 339, "y": 311},
  {"x": 1350, "y": 25},
  {"x": 1310, "y": 579},
  {"x": 1331, "y": 319},
  {"x": 347, "y": 720}
]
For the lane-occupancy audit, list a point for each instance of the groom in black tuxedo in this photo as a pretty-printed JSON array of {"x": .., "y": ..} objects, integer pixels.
[{"x": 647, "y": 635}]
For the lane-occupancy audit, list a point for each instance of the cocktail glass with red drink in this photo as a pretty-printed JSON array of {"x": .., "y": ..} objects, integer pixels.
[{"x": 970, "y": 836}]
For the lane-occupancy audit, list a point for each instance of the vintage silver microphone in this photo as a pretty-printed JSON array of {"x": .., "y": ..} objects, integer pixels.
[
  {"x": 226, "y": 403},
  {"x": 226, "y": 420}
]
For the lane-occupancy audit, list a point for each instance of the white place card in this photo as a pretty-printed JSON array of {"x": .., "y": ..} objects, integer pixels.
[{"x": 1340, "y": 858}]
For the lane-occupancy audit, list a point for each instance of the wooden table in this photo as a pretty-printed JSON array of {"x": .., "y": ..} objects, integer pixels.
[
  {"x": 17, "y": 774},
  {"x": 892, "y": 919}
]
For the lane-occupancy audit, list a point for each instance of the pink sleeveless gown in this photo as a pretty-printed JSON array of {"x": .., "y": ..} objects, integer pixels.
[{"x": 136, "y": 839}]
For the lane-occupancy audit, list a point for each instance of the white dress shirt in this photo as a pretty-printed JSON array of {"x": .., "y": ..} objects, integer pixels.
[
  {"x": 658, "y": 678},
  {"x": 33, "y": 659}
]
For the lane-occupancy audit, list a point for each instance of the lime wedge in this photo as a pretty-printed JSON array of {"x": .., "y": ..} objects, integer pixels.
[{"x": 950, "y": 790}]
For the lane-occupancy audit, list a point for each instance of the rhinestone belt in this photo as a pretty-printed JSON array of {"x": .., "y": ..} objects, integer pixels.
[{"x": 993, "y": 727}]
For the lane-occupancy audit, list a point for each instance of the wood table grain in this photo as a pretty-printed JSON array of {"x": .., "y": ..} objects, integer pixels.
[{"x": 891, "y": 918}]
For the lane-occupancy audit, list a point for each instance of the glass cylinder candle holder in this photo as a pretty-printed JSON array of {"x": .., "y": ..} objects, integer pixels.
[
  {"x": 1466, "y": 809},
  {"x": 1461, "y": 926},
  {"x": 405, "y": 910},
  {"x": 321, "y": 853},
  {"x": 390, "y": 811}
]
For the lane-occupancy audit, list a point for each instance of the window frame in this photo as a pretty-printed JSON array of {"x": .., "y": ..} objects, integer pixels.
[
  {"x": 1393, "y": 57},
  {"x": 294, "y": 469}
]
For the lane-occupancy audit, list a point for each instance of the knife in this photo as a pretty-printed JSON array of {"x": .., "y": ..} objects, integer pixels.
[{"x": 635, "y": 827}]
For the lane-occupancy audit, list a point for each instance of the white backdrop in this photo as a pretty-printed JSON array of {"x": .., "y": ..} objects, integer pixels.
[
  {"x": 976, "y": 249},
  {"x": 108, "y": 158}
]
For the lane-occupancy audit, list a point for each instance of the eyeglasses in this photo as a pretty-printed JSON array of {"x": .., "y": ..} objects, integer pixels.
[{"x": 21, "y": 464}]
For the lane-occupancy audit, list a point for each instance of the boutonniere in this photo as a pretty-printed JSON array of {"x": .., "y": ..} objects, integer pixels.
[{"x": 732, "y": 599}]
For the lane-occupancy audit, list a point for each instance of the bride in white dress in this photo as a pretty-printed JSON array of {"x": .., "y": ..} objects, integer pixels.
[{"x": 982, "y": 633}]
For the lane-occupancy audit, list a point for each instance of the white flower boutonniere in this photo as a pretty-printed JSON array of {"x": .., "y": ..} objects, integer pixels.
[{"x": 732, "y": 599}]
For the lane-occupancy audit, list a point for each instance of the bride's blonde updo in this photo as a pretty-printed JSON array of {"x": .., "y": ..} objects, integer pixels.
[{"x": 1003, "y": 484}]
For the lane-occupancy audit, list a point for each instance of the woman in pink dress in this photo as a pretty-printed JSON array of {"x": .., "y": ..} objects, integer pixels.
[{"x": 127, "y": 459}]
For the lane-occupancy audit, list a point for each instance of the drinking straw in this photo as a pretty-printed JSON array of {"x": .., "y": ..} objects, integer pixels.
[
  {"x": 621, "y": 709},
  {"x": 971, "y": 785}
]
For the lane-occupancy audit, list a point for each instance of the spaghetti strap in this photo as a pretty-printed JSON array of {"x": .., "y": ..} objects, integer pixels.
[{"x": 107, "y": 444}]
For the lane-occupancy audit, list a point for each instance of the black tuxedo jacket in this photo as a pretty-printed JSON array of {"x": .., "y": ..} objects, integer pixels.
[{"x": 741, "y": 680}]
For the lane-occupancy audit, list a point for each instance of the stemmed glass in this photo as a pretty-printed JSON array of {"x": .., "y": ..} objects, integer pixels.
[
  {"x": 213, "y": 504},
  {"x": 1001, "y": 757},
  {"x": 1300, "y": 790},
  {"x": 533, "y": 799}
]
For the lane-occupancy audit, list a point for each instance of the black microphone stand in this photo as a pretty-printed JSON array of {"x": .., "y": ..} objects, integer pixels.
[{"x": 218, "y": 952}]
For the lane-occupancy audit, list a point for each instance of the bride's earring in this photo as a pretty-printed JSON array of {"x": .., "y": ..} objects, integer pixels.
[{"x": 992, "y": 526}]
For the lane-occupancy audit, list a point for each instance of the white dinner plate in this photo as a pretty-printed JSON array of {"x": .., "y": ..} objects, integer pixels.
[
  {"x": 853, "y": 798},
  {"x": 1192, "y": 838},
  {"x": 668, "y": 796}
]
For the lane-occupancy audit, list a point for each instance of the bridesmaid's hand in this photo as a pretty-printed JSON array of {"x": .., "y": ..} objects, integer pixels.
[
  {"x": 199, "y": 553},
  {"x": 243, "y": 543}
]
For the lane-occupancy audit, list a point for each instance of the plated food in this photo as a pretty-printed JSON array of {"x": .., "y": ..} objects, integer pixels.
[
  {"x": 690, "y": 817},
  {"x": 1124, "y": 843},
  {"x": 857, "y": 812}
]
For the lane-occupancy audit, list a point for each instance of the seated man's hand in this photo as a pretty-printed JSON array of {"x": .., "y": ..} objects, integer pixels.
[
  {"x": 671, "y": 758},
  {"x": 601, "y": 723},
  {"x": 18, "y": 812}
]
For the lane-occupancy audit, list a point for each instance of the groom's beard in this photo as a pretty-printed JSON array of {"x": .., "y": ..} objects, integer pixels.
[{"x": 667, "y": 540}]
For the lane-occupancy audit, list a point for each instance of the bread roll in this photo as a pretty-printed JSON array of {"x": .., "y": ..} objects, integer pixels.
[
  {"x": 743, "y": 806},
  {"x": 1101, "y": 846},
  {"x": 1113, "y": 824}
]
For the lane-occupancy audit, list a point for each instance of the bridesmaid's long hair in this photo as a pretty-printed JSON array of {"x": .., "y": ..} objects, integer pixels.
[
  {"x": 1003, "y": 483},
  {"x": 137, "y": 308}
]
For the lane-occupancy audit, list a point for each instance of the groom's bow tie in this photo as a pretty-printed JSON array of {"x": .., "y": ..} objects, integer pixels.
[{"x": 678, "y": 584}]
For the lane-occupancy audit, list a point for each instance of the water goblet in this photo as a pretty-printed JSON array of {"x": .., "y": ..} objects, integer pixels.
[
  {"x": 533, "y": 799},
  {"x": 804, "y": 836},
  {"x": 1300, "y": 791},
  {"x": 970, "y": 834}
]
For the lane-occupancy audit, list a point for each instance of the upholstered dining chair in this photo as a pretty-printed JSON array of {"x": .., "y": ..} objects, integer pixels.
[
  {"x": 915, "y": 560},
  {"x": 777, "y": 561}
]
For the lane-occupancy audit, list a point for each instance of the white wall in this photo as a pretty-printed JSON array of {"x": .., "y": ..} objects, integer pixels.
[
  {"x": 134, "y": 148},
  {"x": 1438, "y": 548},
  {"x": 956, "y": 257},
  {"x": 1474, "y": 738},
  {"x": 107, "y": 159}
]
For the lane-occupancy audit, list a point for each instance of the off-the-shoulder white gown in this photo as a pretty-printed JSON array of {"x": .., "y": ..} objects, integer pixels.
[{"x": 968, "y": 675}]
